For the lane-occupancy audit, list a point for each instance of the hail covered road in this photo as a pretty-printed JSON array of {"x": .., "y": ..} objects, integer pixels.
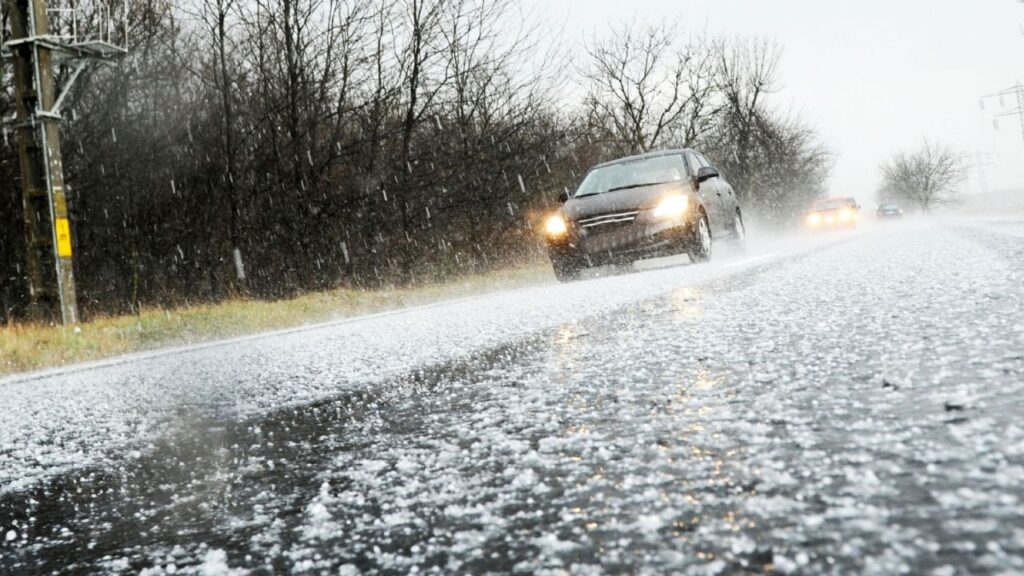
[{"x": 837, "y": 404}]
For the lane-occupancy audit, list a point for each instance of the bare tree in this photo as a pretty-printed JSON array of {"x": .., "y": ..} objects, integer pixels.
[
  {"x": 647, "y": 89},
  {"x": 925, "y": 178},
  {"x": 491, "y": 99},
  {"x": 746, "y": 77},
  {"x": 221, "y": 73}
]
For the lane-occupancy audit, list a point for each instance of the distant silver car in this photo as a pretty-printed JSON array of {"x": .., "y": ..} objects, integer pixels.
[
  {"x": 656, "y": 204},
  {"x": 889, "y": 212}
]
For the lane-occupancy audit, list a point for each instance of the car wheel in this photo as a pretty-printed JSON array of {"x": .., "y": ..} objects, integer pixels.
[
  {"x": 700, "y": 244},
  {"x": 567, "y": 269},
  {"x": 739, "y": 231}
]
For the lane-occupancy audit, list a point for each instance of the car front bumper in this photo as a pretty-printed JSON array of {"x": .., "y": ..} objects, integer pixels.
[{"x": 636, "y": 240}]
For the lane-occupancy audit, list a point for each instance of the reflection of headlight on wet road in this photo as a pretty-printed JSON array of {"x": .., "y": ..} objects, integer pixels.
[
  {"x": 555, "y": 226},
  {"x": 672, "y": 207}
]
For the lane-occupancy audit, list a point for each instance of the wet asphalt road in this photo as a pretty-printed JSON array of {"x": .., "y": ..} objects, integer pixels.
[{"x": 846, "y": 406}]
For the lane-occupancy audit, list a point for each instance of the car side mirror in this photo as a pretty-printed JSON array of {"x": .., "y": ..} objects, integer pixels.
[
  {"x": 563, "y": 197},
  {"x": 706, "y": 173}
]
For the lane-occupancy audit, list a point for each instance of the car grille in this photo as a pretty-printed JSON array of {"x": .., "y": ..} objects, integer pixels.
[{"x": 607, "y": 219}]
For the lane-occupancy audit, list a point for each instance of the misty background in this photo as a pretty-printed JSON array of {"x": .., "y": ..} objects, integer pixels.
[
  {"x": 873, "y": 77},
  {"x": 316, "y": 144}
]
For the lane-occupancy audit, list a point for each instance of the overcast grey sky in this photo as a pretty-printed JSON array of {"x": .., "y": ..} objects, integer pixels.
[{"x": 874, "y": 76}]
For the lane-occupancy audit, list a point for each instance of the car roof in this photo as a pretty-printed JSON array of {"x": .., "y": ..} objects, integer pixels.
[{"x": 644, "y": 156}]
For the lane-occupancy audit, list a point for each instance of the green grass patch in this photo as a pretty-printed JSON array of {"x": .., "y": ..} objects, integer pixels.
[{"x": 25, "y": 347}]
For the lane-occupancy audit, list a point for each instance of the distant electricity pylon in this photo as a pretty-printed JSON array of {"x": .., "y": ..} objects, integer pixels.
[
  {"x": 1017, "y": 95},
  {"x": 983, "y": 161},
  {"x": 84, "y": 33}
]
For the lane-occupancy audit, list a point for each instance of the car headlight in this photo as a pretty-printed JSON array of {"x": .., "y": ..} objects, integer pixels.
[
  {"x": 672, "y": 207},
  {"x": 814, "y": 219},
  {"x": 555, "y": 226},
  {"x": 845, "y": 215}
]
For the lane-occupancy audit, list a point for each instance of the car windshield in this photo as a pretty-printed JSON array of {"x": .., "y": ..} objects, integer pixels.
[{"x": 632, "y": 174}]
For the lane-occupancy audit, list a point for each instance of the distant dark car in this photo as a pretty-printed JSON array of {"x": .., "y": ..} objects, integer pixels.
[
  {"x": 889, "y": 212},
  {"x": 832, "y": 213},
  {"x": 656, "y": 204}
]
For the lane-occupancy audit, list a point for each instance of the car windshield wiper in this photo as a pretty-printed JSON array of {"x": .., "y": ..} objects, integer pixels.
[{"x": 631, "y": 186}]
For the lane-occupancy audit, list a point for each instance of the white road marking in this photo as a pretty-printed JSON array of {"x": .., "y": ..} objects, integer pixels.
[{"x": 750, "y": 260}]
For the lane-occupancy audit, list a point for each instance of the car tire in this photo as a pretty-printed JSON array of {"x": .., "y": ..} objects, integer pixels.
[
  {"x": 739, "y": 231},
  {"x": 567, "y": 269},
  {"x": 700, "y": 242}
]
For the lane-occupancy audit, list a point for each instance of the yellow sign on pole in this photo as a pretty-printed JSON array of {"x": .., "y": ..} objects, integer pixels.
[{"x": 63, "y": 238}]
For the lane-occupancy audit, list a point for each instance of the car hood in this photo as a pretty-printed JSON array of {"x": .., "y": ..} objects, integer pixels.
[{"x": 620, "y": 201}]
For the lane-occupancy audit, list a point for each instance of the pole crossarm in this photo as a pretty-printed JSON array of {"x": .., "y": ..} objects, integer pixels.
[
  {"x": 1010, "y": 113},
  {"x": 67, "y": 87},
  {"x": 93, "y": 50},
  {"x": 1007, "y": 92}
]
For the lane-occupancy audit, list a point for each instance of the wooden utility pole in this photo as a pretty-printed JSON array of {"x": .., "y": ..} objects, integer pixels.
[
  {"x": 34, "y": 51},
  {"x": 49, "y": 266}
]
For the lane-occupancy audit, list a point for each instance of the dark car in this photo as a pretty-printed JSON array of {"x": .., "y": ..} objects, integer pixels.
[
  {"x": 889, "y": 212},
  {"x": 656, "y": 204},
  {"x": 832, "y": 213}
]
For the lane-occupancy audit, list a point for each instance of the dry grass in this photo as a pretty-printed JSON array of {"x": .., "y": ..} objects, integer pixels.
[{"x": 26, "y": 347}]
